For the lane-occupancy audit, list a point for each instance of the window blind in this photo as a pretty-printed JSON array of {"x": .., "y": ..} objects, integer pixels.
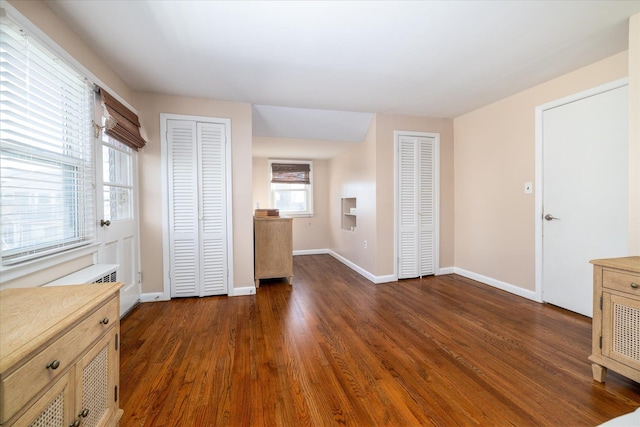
[
  {"x": 123, "y": 123},
  {"x": 290, "y": 173},
  {"x": 46, "y": 150}
]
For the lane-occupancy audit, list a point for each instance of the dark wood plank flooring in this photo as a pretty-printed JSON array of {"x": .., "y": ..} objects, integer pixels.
[{"x": 335, "y": 349}]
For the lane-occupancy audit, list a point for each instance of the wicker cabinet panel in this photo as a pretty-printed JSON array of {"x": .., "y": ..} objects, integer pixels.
[
  {"x": 97, "y": 382},
  {"x": 54, "y": 408}
]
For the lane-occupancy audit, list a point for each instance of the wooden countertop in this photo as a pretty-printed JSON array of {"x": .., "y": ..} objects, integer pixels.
[
  {"x": 31, "y": 318},
  {"x": 630, "y": 263}
]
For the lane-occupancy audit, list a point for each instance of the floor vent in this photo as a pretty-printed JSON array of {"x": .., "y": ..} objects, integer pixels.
[{"x": 97, "y": 273}]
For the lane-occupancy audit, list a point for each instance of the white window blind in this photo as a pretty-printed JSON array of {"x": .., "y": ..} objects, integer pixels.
[{"x": 46, "y": 151}]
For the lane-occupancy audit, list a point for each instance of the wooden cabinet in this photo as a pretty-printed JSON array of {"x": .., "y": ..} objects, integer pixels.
[
  {"x": 59, "y": 356},
  {"x": 273, "y": 248},
  {"x": 616, "y": 317}
]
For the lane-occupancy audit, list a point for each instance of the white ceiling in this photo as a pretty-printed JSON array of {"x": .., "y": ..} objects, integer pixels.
[
  {"x": 306, "y": 123},
  {"x": 431, "y": 58}
]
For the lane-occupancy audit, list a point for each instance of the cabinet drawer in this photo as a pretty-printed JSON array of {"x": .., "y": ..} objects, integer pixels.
[
  {"x": 624, "y": 282},
  {"x": 22, "y": 385}
]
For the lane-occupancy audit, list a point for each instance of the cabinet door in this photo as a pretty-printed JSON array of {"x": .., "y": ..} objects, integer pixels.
[
  {"x": 621, "y": 329},
  {"x": 54, "y": 408},
  {"x": 97, "y": 376}
]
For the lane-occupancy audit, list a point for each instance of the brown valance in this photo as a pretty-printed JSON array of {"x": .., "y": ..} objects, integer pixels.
[
  {"x": 123, "y": 124},
  {"x": 290, "y": 173}
]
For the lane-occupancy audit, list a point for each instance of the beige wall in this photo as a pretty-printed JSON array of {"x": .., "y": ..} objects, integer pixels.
[
  {"x": 494, "y": 154},
  {"x": 353, "y": 174},
  {"x": 309, "y": 233},
  {"x": 386, "y": 125},
  {"x": 634, "y": 135},
  {"x": 40, "y": 15},
  {"x": 149, "y": 108}
]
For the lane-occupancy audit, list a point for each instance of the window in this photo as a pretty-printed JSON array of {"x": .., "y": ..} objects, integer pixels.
[
  {"x": 47, "y": 196},
  {"x": 292, "y": 186},
  {"x": 117, "y": 179}
]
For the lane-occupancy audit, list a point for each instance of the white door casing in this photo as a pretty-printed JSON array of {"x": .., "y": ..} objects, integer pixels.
[
  {"x": 584, "y": 179},
  {"x": 417, "y": 204},
  {"x": 196, "y": 206}
]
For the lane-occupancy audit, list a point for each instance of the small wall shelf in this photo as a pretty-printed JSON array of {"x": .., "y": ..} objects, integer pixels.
[{"x": 349, "y": 213}]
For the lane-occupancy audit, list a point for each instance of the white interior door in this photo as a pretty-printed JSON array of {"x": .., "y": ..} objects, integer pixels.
[
  {"x": 117, "y": 194},
  {"x": 197, "y": 204},
  {"x": 584, "y": 194},
  {"x": 416, "y": 205}
]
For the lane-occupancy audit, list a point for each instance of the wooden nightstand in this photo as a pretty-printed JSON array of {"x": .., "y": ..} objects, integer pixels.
[
  {"x": 273, "y": 248},
  {"x": 616, "y": 317}
]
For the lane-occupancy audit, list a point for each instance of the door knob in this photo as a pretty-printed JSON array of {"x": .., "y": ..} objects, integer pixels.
[
  {"x": 550, "y": 217},
  {"x": 104, "y": 223}
]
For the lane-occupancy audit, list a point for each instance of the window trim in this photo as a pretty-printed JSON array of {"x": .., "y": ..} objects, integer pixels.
[
  {"x": 16, "y": 271},
  {"x": 309, "y": 189}
]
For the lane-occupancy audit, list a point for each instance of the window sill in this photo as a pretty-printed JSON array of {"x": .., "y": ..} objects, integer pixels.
[
  {"x": 11, "y": 272},
  {"x": 297, "y": 214}
]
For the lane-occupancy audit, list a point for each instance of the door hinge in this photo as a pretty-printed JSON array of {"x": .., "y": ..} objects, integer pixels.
[
  {"x": 600, "y": 342},
  {"x": 115, "y": 394},
  {"x": 139, "y": 276},
  {"x": 116, "y": 341},
  {"x": 601, "y": 302}
]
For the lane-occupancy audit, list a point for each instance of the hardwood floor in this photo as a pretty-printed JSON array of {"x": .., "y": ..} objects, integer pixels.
[{"x": 335, "y": 349}]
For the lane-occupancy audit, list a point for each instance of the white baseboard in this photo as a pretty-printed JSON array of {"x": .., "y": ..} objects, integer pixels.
[
  {"x": 446, "y": 270},
  {"x": 153, "y": 297},
  {"x": 311, "y": 252},
  {"x": 246, "y": 290},
  {"x": 362, "y": 271},
  {"x": 516, "y": 290}
]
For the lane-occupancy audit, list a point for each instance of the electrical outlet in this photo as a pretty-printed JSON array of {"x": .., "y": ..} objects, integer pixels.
[{"x": 364, "y": 244}]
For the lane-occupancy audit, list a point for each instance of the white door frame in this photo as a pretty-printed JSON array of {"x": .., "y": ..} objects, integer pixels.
[
  {"x": 539, "y": 168},
  {"x": 166, "y": 256},
  {"x": 436, "y": 189}
]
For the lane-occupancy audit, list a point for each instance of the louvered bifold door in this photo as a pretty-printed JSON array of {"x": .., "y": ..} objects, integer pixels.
[
  {"x": 211, "y": 153},
  {"x": 416, "y": 206},
  {"x": 426, "y": 193},
  {"x": 408, "y": 208},
  {"x": 183, "y": 208}
]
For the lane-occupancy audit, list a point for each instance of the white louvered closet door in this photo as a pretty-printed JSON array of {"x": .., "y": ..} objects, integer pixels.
[
  {"x": 416, "y": 206},
  {"x": 197, "y": 214},
  {"x": 183, "y": 208},
  {"x": 211, "y": 138}
]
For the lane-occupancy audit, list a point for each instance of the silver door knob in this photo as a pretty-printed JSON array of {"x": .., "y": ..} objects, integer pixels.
[
  {"x": 104, "y": 223},
  {"x": 550, "y": 217}
]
